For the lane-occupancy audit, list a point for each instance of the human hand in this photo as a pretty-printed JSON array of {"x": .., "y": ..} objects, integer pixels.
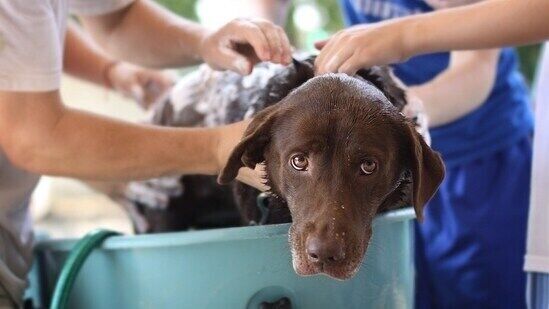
[
  {"x": 414, "y": 105},
  {"x": 415, "y": 109},
  {"x": 242, "y": 43},
  {"x": 143, "y": 85},
  {"x": 227, "y": 138},
  {"x": 361, "y": 47}
]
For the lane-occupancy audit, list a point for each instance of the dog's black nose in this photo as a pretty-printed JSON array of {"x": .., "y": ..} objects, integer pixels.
[{"x": 326, "y": 250}]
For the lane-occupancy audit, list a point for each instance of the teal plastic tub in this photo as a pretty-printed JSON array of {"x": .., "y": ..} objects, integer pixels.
[{"x": 228, "y": 268}]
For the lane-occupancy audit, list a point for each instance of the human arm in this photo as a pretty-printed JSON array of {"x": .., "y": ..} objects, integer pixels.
[
  {"x": 487, "y": 24},
  {"x": 273, "y": 10},
  {"x": 461, "y": 88},
  {"x": 147, "y": 34},
  {"x": 39, "y": 134},
  {"x": 84, "y": 60}
]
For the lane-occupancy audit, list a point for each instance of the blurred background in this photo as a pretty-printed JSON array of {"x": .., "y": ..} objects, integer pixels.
[{"x": 67, "y": 208}]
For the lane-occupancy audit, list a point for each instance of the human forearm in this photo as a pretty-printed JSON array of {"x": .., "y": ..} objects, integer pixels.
[
  {"x": 487, "y": 24},
  {"x": 273, "y": 10},
  {"x": 461, "y": 88},
  {"x": 148, "y": 34},
  {"x": 145, "y": 33},
  {"x": 54, "y": 140},
  {"x": 121, "y": 151},
  {"x": 83, "y": 59}
]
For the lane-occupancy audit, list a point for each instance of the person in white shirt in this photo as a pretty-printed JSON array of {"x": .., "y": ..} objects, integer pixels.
[
  {"x": 488, "y": 24},
  {"x": 537, "y": 250},
  {"x": 39, "y": 135}
]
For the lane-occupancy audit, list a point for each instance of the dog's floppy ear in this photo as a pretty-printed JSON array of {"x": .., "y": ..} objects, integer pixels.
[
  {"x": 281, "y": 85},
  {"x": 304, "y": 69},
  {"x": 383, "y": 78},
  {"x": 249, "y": 151},
  {"x": 426, "y": 168}
]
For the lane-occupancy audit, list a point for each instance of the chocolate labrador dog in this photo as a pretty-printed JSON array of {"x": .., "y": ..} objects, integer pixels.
[{"x": 337, "y": 151}]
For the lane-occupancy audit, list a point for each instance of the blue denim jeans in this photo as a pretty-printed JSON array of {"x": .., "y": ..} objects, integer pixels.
[{"x": 537, "y": 290}]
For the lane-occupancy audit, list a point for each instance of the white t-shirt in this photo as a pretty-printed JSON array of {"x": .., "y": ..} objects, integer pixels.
[
  {"x": 32, "y": 34},
  {"x": 537, "y": 253}
]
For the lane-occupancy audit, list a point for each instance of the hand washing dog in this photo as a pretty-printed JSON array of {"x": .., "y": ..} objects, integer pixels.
[{"x": 337, "y": 151}]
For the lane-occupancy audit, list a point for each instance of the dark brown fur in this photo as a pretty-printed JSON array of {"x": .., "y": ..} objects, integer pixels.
[{"x": 337, "y": 122}]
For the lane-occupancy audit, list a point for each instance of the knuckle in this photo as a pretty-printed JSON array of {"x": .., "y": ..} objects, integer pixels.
[
  {"x": 362, "y": 54},
  {"x": 342, "y": 34},
  {"x": 239, "y": 20},
  {"x": 262, "y": 21}
]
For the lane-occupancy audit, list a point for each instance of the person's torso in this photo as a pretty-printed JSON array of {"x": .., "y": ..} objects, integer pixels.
[
  {"x": 32, "y": 35},
  {"x": 537, "y": 257},
  {"x": 16, "y": 238},
  {"x": 504, "y": 118},
  {"x": 16, "y": 185}
]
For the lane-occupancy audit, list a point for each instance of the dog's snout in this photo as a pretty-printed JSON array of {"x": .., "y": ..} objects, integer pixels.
[{"x": 324, "y": 250}]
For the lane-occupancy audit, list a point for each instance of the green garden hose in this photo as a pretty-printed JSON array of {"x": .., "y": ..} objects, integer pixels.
[{"x": 72, "y": 266}]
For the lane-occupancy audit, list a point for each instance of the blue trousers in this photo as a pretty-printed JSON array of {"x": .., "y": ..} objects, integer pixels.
[
  {"x": 537, "y": 291},
  {"x": 470, "y": 248}
]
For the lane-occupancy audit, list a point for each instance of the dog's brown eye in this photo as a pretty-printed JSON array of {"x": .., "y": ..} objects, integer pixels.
[
  {"x": 299, "y": 162},
  {"x": 368, "y": 167}
]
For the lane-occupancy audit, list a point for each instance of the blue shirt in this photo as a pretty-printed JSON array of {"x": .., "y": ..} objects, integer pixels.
[{"x": 502, "y": 120}]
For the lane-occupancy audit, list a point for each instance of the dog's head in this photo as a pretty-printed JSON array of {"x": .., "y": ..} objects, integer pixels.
[{"x": 339, "y": 151}]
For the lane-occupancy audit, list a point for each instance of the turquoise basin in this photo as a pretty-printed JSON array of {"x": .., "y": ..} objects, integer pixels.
[{"x": 229, "y": 268}]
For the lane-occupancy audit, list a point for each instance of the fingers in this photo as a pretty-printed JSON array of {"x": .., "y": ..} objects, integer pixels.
[
  {"x": 161, "y": 79},
  {"x": 332, "y": 62},
  {"x": 279, "y": 44},
  {"x": 333, "y": 56},
  {"x": 320, "y": 44},
  {"x": 254, "y": 178},
  {"x": 325, "y": 53},
  {"x": 242, "y": 43},
  {"x": 247, "y": 32},
  {"x": 275, "y": 42},
  {"x": 137, "y": 93},
  {"x": 327, "y": 45},
  {"x": 142, "y": 85},
  {"x": 235, "y": 62},
  {"x": 351, "y": 65},
  {"x": 150, "y": 86},
  {"x": 269, "y": 41},
  {"x": 286, "y": 47}
]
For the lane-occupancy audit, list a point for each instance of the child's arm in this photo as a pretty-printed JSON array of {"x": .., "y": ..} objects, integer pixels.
[
  {"x": 461, "y": 88},
  {"x": 149, "y": 35},
  {"x": 84, "y": 60},
  {"x": 273, "y": 10},
  {"x": 487, "y": 24}
]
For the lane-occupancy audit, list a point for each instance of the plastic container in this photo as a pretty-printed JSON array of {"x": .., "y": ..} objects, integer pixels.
[{"x": 230, "y": 268}]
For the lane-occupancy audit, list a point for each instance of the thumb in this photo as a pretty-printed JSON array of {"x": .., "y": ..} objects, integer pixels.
[
  {"x": 234, "y": 61},
  {"x": 137, "y": 93},
  {"x": 320, "y": 44}
]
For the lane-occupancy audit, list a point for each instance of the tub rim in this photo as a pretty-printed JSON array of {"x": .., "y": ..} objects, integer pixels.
[{"x": 216, "y": 235}]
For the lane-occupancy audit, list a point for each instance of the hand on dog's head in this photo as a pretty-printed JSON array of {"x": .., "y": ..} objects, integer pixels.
[{"x": 339, "y": 151}]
